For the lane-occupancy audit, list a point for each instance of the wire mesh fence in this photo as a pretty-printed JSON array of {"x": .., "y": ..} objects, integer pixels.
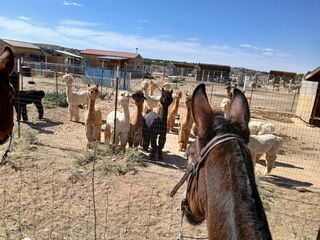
[{"x": 51, "y": 197}]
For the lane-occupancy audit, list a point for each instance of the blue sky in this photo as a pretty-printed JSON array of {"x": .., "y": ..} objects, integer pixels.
[{"x": 257, "y": 34}]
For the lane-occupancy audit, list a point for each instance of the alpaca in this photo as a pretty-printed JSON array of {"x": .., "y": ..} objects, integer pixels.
[
  {"x": 136, "y": 126},
  {"x": 185, "y": 125},
  {"x": 225, "y": 106},
  {"x": 260, "y": 128},
  {"x": 156, "y": 125},
  {"x": 93, "y": 119},
  {"x": 153, "y": 86},
  {"x": 173, "y": 111},
  {"x": 268, "y": 144},
  {"x": 26, "y": 97},
  {"x": 151, "y": 101},
  {"x": 74, "y": 99},
  {"x": 122, "y": 122}
]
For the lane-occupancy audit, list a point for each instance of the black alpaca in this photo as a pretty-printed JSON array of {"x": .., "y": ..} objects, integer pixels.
[
  {"x": 26, "y": 97},
  {"x": 155, "y": 125}
]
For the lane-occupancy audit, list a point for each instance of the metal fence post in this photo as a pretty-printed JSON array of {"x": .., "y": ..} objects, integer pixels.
[
  {"x": 56, "y": 81},
  {"x": 115, "y": 106}
]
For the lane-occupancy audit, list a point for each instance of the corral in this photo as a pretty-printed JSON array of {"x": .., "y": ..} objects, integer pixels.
[{"x": 48, "y": 194}]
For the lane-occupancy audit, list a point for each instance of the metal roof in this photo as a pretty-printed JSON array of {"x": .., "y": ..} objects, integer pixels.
[
  {"x": 95, "y": 52},
  {"x": 68, "y": 54},
  {"x": 281, "y": 73},
  {"x": 20, "y": 44},
  {"x": 215, "y": 67},
  {"x": 112, "y": 58},
  {"x": 314, "y": 75},
  {"x": 184, "y": 65}
]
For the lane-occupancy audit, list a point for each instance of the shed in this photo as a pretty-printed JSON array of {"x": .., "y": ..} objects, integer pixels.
[
  {"x": 132, "y": 62},
  {"x": 281, "y": 75},
  {"x": 183, "y": 69},
  {"x": 213, "y": 72},
  {"x": 308, "y": 107}
]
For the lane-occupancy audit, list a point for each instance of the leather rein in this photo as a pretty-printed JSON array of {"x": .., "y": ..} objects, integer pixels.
[{"x": 193, "y": 169}]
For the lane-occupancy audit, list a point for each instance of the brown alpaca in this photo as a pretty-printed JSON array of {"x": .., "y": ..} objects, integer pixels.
[
  {"x": 136, "y": 126},
  {"x": 185, "y": 125},
  {"x": 153, "y": 86},
  {"x": 93, "y": 120},
  {"x": 173, "y": 110}
]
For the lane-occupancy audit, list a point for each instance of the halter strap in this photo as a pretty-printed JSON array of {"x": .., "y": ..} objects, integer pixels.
[{"x": 203, "y": 154}]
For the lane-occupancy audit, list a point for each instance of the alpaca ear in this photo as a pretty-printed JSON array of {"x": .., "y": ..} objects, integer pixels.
[
  {"x": 97, "y": 85},
  {"x": 239, "y": 110},
  {"x": 201, "y": 109},
  {"x": 88, "y": 84},
  {"x": 187, "y": 95},
  {"x": 162, "y": 89},
  {"x": 171, "y": 91},
  {"x": 7, "y": 59}
]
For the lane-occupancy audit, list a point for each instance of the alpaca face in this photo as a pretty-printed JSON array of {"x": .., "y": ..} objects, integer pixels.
[
  {"x": 178, "y": 95},
  {"x": 138, "y": 97},
  {"x": 68, "y": 79},
  {"x": 166, "y": 98},
  {"x": 124, "y": 98},
  {"x": 93, "y": 91},
  {"x": 188, "y": 101}
]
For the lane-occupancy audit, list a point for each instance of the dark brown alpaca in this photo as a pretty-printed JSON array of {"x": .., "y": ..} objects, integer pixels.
[
  {"x": 6, "y": 94},
  {"x": 136, "y": 126},
  {"x": 221, "y": 186}
]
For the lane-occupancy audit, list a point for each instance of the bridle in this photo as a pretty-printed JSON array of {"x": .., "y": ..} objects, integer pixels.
[{"x": 194, "y": 168}]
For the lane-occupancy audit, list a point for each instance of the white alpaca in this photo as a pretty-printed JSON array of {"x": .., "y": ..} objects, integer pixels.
[
  {"x": 151, "y": 101},
  {"x": 74, "y": 99},
  {"x": 260, "y": 128},
  {"x": 225, "y": 107},
  {"x": 122, "y": 122},
  {"x": 268, "y": 144}
]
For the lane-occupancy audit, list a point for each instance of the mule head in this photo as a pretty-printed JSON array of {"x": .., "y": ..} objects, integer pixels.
[
  {"x": 7, "y": 59},
  {"x": 211, "y": 123}
]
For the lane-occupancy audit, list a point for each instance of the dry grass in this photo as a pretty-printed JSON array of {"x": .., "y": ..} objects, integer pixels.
[{"x": 110, "y": 160}]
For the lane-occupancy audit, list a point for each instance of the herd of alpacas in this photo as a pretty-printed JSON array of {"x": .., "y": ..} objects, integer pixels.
[{"x": 154, "y": 117}]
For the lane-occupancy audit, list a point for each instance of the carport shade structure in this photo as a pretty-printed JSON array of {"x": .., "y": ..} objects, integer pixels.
[{"x": 207, "y": 72}]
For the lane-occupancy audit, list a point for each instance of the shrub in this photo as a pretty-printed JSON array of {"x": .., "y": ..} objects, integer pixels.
[{"x": 58, "y": 99}]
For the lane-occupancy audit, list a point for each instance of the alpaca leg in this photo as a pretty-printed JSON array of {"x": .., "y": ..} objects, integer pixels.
[
  {"x": 18, "y": 110},
  {"x": 123, "y": 140},
  {"x": 24, "y": 111},
  {"x": 271, "y": 158},
  {"x": 40, "y": 109},
  {"x": 70, "y": 109},
  {"x": 76, "y": 113},
  {"x": 89, "y": 131},
  {"x": 162, "y": 141},
  {"x": 107, "y": 133},
  {"x": 153, "y": 146},
  {"x": 146, "y": 137}
]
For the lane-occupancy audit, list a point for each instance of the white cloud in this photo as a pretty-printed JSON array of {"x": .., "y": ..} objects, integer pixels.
[
  {"x": 192, "y": 39},
  {"x": 246, "y": 45},
  {"x": 268, "y": 53},
  {"x": 143, "y": 20},
  {"x": 77, "y": 23},
  {"x": 72, "y": 4},
  {"x": 24, "y": 18},
  {"x": 268, "y": 50},
  {"x": 81, "y": 35}
]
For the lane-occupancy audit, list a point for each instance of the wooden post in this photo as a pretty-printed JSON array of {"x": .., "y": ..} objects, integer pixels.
[
  {"x": 56, "y": 82},
  {"x": 19, "y": 80},
  {"x": 214, "y": 73},
  {"x": 115, "y": 106},
  {"x": 125, "y": 76},
  {"x": 294, "y": 98}
]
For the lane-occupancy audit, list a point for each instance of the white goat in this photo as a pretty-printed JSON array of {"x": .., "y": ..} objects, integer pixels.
[
  {"x": 74, "y": 99},
  {"x": 122, "y": 122},
  {"x": 225, "y": 106},
  {"x": 268, "y": 144},
  {"x": 260, "y": 128}
]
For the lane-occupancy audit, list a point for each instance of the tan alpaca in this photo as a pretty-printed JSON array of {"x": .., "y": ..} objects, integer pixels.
[
  {"x": 173, "y": 111},
  {"x": 185, "y": 125},
  {"x": 93, "y": 120},
  {"x": 153, "y": 86},
  {"x": 136, "y": 125}
]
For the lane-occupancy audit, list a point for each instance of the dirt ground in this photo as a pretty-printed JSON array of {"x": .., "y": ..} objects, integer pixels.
[{"x": 52, "y": 198}]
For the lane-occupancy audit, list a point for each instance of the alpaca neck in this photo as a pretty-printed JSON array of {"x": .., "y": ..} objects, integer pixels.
[
  {"x": 126, "y": 112},
  {"x": 146, "y": 92},
  {"x": 189, "y": 116},
  {"x": 164, "y": 114},
  {"x": 92, "y": 103},
  {"x": 69, "y": 89},
  {"x": 176, "y": 104},
  {"x": 139, "y": 117}
]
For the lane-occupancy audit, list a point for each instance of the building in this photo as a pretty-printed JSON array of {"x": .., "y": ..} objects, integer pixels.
[
  {"x": 183, "y": 69},
  {"x": 131, "y": 62},
  {"x": 280, "y": 75},
  {"x": 25, "y": 50},
  {"x": 213, "y": 73},
  {"x": 308, "y": 107}
]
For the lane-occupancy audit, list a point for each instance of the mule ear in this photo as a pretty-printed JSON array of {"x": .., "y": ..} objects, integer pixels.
[
  {"x": 239, "y": 110},
  {"x": 7, "y": 59},
  {"x": 201, "y": 109}
]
